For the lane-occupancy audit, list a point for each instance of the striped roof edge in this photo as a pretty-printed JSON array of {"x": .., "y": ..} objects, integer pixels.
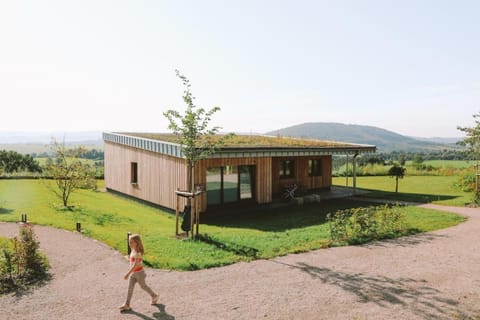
[{"x": 241, "y": 145}]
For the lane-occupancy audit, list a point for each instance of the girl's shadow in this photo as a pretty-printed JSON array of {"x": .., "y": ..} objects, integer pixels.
[{"x": 160, "y": 315}]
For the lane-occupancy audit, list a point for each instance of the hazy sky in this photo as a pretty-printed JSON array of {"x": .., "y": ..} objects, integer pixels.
[{"x": 407, "y": 66}]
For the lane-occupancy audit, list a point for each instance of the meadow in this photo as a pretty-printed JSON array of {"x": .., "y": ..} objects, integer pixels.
[
  {"x": 435, "y": 189},
  {"x": 427, "y": 167},
  {"x": 225, "y": 240},
  {"x": 457, "y": 164}
]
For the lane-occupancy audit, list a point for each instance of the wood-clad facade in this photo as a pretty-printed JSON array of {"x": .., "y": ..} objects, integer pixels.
[
  {"x": 300, "y": 175},
  {"x": 152, "y": 170},
  {"x": 158, "y": 175},
  {"x": 262, "y": 182}
]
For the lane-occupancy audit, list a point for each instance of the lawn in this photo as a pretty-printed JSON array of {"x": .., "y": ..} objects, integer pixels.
[
  {"x": 435, "y": 189},
  {"x": 457, "y": 164},
  {"x": 240, "y": 237}
]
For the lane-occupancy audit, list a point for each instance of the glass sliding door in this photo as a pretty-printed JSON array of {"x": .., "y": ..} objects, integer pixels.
[
  {"x": 229, "y": 184},
  {"x": 214, "y": 185},
  {"x": 245, "y": 177}
]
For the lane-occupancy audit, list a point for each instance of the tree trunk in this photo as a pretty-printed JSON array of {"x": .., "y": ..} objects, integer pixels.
[
  {"x": 190, "y": 181},
  {"x": 396, "y": 184}
]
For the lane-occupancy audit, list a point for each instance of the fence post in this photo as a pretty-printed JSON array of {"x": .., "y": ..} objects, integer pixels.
[{"x": 129, "y": 250}]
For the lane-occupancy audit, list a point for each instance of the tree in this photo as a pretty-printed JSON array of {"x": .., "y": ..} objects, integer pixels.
[
  {"x": 69, "y": 172},
  {"x": 193, "y": 132},
  {"x": 12, "y": 161},
  {"x": 418, "y": 161},
  {"x": 397, "y": 172},
  {"x": 472, "y": 142}
]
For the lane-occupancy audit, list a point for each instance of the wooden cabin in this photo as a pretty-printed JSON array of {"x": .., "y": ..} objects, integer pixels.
[{"x": 247, "y": 168}]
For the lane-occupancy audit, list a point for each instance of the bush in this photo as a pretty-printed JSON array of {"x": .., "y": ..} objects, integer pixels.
[
  {"x": 20, "y": 262},
  {"x": 466, "y": 182},
  {"x": 360, "y": 225}
]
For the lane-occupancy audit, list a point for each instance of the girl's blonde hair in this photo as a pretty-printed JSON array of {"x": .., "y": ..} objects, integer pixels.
[{"x": 136, "y": 238}]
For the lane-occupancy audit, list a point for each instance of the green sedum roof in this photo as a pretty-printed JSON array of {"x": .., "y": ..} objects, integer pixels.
[
  {"x": 255, "y": 141},
  {"x": 239, "y": 145}
]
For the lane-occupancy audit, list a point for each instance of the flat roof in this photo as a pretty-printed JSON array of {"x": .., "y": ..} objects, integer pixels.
[{"x": 240, "y": 145}]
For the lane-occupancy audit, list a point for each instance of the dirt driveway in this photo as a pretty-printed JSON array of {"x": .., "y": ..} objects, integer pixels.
[{"x": 429, "y": 276}]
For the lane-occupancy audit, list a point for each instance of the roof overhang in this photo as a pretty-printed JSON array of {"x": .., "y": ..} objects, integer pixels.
[{"x": 174, "y": 149}]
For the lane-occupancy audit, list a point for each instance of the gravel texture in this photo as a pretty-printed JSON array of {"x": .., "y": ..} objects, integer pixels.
[{"x": 434, "y": 275}]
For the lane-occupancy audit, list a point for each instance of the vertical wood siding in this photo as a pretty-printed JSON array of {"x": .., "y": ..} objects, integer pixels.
[
  {"x": 301, "y": 176},
  {"x": 158, "y": 175}
]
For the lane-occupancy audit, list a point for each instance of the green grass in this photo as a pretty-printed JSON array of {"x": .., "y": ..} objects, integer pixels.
[
  {"x": 456, "y": 164},
  {"x": 431, "y": 167},
  {"x": 436, "y": 189},
  {"x": 242, "y": 236},
  {"x": 428, "y": 220}
]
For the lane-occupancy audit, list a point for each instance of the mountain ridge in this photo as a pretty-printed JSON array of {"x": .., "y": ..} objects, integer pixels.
[{"x": 385, "y": 140}]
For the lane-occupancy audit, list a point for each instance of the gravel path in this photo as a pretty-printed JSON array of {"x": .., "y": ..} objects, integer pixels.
[{"x": 428, "y": 276}]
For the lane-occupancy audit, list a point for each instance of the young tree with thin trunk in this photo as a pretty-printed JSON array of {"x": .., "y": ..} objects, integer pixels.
[
  {"x": 472, "y": 142},
  {"x": 193, "y": 132},
  {"x": 397, "y": 172},
  {"x": 68, "y": 171}
]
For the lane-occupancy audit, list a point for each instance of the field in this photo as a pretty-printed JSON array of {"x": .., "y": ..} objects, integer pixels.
[
  {"x": 436, "y": 189},
  {"x": 426, "y": 168},
  {"x": 457, "y": 164},
  {"x": 108, "y": 218}
]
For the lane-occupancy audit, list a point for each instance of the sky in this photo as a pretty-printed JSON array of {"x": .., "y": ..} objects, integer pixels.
[{"x": 408, "y": 66}]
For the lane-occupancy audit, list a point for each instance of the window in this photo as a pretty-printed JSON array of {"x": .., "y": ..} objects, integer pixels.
[
  {"x": 134, "y": 172},
  {"x": 314, "y": 167},
  {"x": 230, "y": 184},
  {"x": 287, "y": 168}
]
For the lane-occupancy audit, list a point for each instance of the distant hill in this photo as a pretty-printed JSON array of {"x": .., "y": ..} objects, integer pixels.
[
  {"x": 386, "y": 141},
  {"x": 37, "y": 142},
  {"x": 7, "y": 137},
  {"x": 447, "y": 140}
]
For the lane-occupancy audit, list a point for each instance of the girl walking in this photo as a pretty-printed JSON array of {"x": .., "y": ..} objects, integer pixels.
[{"x": 136, "y": 272}]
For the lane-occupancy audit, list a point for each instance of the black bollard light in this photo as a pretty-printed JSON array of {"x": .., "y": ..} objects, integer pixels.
[
  {"x": 79, "y": 227},
  {"x": 129, "y": 250}
]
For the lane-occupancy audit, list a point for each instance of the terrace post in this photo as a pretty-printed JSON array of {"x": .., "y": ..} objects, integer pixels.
[
  {"x": 129, "y": 250},
  {"x": 354, "y": 172},
  {"x": 346, "y": 172}
]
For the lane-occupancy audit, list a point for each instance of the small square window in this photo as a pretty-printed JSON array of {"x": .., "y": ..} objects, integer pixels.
[
  {"x": 314, "y": 167},
  {"x": 287, "y": 169}
]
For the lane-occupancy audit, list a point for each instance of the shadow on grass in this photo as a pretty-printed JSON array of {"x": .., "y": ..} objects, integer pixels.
[
  {"x": 403, "y": 196},
  {"x": 5, "y": 211},
  {"x": 160, "y": 315},
  {"x": 230, "y": 247},
  {"x": 281, "y": 219},
  {"x": 411, "y": 294}
]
